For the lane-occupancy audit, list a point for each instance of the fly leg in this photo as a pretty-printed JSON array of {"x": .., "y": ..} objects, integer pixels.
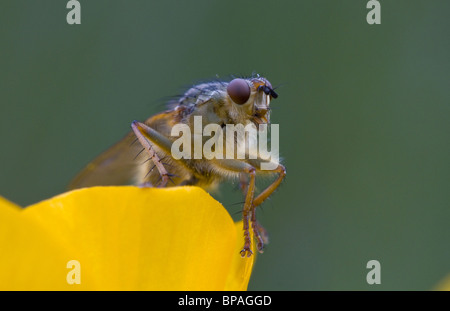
[
  {"x": 259, "y": 232},
  {"x": 146, "y": 136},
  {"x": 248, "y": 211},
  {"x": 281, "y": 170}
]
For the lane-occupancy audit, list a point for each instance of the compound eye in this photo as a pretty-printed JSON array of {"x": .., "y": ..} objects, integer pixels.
[{"x": 239, "y": 91}]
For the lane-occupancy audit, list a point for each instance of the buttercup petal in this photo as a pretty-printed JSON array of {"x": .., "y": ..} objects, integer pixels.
[
  {"x": 30, "y": 258},
  {"x": 130, "y": 238}
]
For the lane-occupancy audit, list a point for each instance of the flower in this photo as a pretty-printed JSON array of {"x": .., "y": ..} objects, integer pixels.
[{"x": 124, "y": 238}]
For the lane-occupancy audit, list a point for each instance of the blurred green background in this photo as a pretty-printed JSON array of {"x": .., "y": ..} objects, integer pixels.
[{"x": 363, "y": 112}]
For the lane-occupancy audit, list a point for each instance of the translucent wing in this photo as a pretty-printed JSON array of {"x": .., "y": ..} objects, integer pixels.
[{"x": 115, "y": 166}]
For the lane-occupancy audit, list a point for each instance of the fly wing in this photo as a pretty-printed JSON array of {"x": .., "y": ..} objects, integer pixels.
[{"x": 115, "y": 166}]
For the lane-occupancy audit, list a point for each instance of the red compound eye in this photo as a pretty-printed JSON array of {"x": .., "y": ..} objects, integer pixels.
[{"x": 239, "y": 91}]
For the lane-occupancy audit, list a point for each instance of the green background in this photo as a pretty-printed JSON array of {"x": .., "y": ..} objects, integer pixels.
[{"x": 363, "y": 113}]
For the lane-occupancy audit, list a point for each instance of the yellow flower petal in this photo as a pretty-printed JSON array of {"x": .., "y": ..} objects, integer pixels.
[
  {"x": 8, "y": 205},
  {"x": 30, "y": 259},
  {"x": 130, "y": 238}
]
